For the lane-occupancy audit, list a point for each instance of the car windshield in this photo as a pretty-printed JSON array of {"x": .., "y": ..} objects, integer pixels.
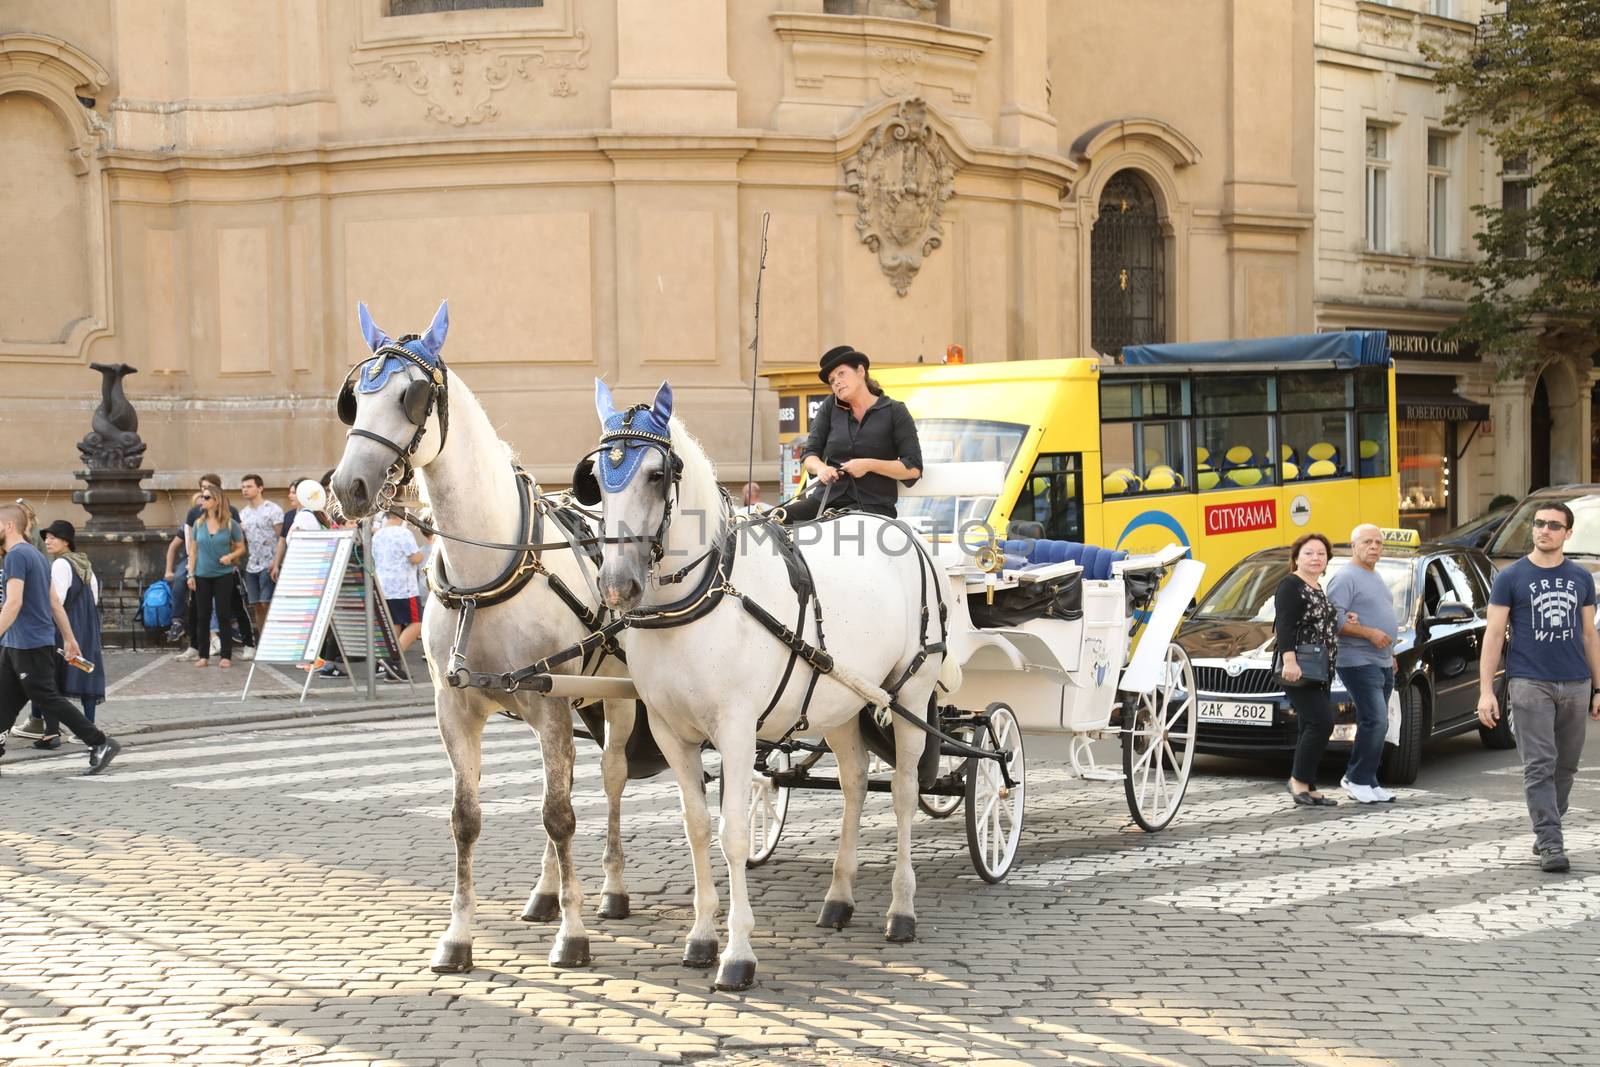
[
  {"x": 946, "y": 441},
  {"x": 1245, "y": 593},
  {"x": 1516, "y": 536}
]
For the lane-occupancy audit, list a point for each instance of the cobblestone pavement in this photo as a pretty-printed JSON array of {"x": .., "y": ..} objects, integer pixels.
[{"x": 273, "y": 897}]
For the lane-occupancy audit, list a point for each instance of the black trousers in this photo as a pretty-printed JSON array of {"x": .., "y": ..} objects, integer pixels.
[
  {"x": 805, "y": 508},
  {"x": 30, "y": 674},
  {"x": 1314, "y": 712},
  {"x": 218, "y": 592}
]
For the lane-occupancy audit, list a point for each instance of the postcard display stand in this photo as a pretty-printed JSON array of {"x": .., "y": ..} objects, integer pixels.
[{"x": 323, "y": 585}]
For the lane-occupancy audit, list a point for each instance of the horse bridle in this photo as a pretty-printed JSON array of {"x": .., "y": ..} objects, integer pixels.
[
  {"x": 586, "y": 485},
  {"x": 418, "y": 402}
]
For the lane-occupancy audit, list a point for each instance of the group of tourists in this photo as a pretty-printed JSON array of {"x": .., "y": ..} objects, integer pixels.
[{"x": 1348, "y": 629}]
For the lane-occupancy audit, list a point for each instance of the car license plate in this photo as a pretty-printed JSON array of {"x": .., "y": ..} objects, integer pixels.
[
  {"x": 1230, "y": 711},
  {"x": 1344, "y": 731}
]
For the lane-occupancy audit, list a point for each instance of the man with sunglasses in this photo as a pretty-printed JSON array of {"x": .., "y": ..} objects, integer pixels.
[{"x": 1552, "y": 671}]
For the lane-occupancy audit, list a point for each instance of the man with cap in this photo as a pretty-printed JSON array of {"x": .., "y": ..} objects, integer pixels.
[
  {"x": 861, "y": 445},
  {"x": 29, "y": 624}
]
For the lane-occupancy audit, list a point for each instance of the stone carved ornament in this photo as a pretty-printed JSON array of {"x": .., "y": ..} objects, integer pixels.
[
  {"x": 457, "y": 79},
  {"x": 901, "y": 175},
  {"x": 113, "y": 441}
]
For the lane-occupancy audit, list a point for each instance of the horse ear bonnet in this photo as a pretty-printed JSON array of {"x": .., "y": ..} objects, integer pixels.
[{"x": 585, "y": 486}]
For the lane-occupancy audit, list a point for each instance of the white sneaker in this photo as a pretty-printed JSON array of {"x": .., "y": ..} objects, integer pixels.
[
  {"x": 1383, "y": 795},
  {"x": 247, "y": 652},
  {"x": 186, "y": 655},
  {"x": 216, "y": 644},
  {"x": 1361, "y": 794}
]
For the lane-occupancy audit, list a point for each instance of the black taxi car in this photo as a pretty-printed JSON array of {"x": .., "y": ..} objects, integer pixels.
[{"x": 1441, "y": 597}]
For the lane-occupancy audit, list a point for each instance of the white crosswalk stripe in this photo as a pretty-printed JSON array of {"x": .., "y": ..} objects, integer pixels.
[
  {"x": 390, "y": 790},
  {"x": 246, "y": 769},
  {"x": 1307, "y": 831},
  {"x": 435, "y": 763},
  {"x": 1302, "y": 886},
  {"x": 1527, "y": 911}
]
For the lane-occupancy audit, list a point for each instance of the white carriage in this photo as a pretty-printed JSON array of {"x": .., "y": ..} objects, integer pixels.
[{"x": 1096, "y": 661}]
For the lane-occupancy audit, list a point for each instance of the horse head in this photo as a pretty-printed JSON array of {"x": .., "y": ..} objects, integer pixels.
[
  {"x": 395, "y": 403},
  {"x": 632, "y": 476}
]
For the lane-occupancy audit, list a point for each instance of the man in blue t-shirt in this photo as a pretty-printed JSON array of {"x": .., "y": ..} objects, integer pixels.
[
  {"x": 1553, "y": 671},
  {"x": 28, "y": 624}
]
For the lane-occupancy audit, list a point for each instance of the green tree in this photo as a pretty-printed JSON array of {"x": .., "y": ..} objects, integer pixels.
[{"x": 1531, "y": 81}]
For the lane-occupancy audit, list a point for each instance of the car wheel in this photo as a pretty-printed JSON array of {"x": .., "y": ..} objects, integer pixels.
[
  {"x": 1402, "y": 762},
  {"x": 1499, "y": 736}
]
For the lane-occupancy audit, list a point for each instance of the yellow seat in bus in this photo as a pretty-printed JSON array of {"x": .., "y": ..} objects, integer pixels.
[
  {"x": 1322, "y": 468},
  {"x": 1205, "y": 477},
  {"x": 1162, "y": 479},
  {"x": 1120, "y": 481},
  {"x": 1286, "y": 453},
  {"x": 1244, "y": 476},
  {"x": 1290, "y": 471},
  {"x": 1237, "y": 456},
  {"x": 1369, "y": 459},
  {"x": 1322, "y": 450},
  {"x": 1202, "y": 456}
]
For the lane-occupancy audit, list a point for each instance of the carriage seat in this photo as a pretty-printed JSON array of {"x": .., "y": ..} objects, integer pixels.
[{"x": 1095, "y": 561}]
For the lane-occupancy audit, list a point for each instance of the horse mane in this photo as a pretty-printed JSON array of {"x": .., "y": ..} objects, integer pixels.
[{"x": 691, "y": 449}]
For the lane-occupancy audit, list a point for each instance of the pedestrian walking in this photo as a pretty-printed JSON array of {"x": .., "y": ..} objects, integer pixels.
[
  {"x": 1366, "y": 662},
  {"x": 29, "y": 624},
  {"x": 74, "y": 583},
  {"x": 1307, "y": 642},
  {"x": 260, "y": 519},
  {"x": 395, "y": 556},
  {"x": 1552, "y": 671},
  {"x": 218, "y": 543},
  {"x": 34, "y": 727}
]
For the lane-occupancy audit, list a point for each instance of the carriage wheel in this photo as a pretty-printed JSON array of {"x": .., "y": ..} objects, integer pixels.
[
  {"x": 994, "y": 812},
  {"x": 939, "y": 805},
  {"x": 769, "y": 807},
  {"x": 1158, "y": 744}
]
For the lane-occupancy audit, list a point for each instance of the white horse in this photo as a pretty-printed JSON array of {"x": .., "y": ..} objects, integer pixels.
[
  {"x": 711, "y": 679},
  {"x": 407, "y": 410}
]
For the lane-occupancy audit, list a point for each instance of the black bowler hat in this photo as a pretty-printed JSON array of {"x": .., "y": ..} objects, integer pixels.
[
  {"x": 841, "y": 354},
  {"x": 65, "y": 531}
]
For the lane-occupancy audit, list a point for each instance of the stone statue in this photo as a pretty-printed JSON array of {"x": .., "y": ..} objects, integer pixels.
[{"x": 113, "y": 440}]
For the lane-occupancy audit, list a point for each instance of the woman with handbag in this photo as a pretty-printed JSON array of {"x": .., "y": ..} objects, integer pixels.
[{"x": 1307, "y": 628}]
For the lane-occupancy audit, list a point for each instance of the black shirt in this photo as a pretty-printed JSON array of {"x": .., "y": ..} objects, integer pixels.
[
  {"x": 885, "y": 431},
  {"x": 1304, "y": 616}
]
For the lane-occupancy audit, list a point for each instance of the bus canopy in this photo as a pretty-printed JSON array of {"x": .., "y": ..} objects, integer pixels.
[{"x": 1344, "y": 349}]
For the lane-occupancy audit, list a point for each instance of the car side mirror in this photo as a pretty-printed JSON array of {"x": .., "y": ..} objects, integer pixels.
[{"x": 1451, "y": 611}]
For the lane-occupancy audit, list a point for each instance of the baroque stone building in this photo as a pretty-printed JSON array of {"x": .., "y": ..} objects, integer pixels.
[{"x": 205, "y": 188}]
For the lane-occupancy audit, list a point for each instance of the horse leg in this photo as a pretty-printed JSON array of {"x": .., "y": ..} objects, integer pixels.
[
  {"x": 908, "y": 747},
  {"x": 738, "y": 967},
  {"x": 461, "y": 728},
  {"x": 840, "y": 903},
  {"x": 700, "y": 950},
  {"x": 554, "y": 723},
  {"x": 543, "y": 904},
  {"x": 614, "y": 771}
]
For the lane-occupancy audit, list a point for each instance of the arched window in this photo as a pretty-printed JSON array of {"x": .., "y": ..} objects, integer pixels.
[{"x": 1128, "y": 268}]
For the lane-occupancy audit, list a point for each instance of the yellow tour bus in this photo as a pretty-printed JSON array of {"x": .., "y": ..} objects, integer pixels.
[{"x": 1226, "y": 447}]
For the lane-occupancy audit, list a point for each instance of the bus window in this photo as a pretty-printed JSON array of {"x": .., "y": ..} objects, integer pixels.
[
  {"x": 960, "y": 441},
  {"x": 1050, "y": 496},
  {"x": 1372, "y": 388},
  {"x": 1316, "y": 444},
  {"x": 1142, "y": 436},
  {"x": 1164, "y": 455},
  {"x": 1372, "y": 444},
  {"x": 1117, "y": 462},
  {"x": 1234, "y": 448},
  {"x": 1322, "y": 390}
]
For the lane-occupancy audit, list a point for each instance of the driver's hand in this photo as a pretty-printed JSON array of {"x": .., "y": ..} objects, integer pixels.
[
  {"x": 1489, "y": 709},
  {"x": 855, "y": 468},
  {"x": 828, "y": 475}
]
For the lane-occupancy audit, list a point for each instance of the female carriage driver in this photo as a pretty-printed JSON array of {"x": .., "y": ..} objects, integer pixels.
[{"x": 860, "y": 445}]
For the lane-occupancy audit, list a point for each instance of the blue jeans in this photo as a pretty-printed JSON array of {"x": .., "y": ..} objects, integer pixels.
[{"x": 1369, "y": 686}]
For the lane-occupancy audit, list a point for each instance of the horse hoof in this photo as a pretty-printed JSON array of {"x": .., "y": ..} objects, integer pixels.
[
  {"x": 542, "y": 908},
  {"x": 735, "y": 975},
  {"x": 614, "y": 906},
  {"x": 836, "y": 913},
  {"x": 570, "y": 952},
  {"x": 900, "y": 928},
  {"x": 700, "y": 954},
  {"x": 452, "y": 957}
]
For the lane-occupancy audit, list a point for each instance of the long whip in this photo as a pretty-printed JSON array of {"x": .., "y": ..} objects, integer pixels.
[{"x": 755, "y": 352}]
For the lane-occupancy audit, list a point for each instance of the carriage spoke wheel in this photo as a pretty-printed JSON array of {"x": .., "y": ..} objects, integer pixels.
[
  {"x": 994, "y": 811},
  {"x": 1158, "y": 739},
  {"x": 938, "y": 805},
  {"x": 769, "y": 807}
]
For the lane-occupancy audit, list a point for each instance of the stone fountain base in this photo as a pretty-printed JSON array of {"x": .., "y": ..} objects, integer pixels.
[{"x": 139, "y": 555}]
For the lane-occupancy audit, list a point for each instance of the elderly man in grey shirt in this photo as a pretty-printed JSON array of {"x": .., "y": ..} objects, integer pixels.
[{"x": 1366, "y": 658}]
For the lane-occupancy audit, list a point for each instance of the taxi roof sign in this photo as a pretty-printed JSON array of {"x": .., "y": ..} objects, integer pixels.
[{"x": 1400, "y": 538}]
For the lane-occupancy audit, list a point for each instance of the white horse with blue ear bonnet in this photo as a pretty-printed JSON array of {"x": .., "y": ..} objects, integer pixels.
[
  {"x": 712, "y": 677},
  {"x": 407, "y": 414}
]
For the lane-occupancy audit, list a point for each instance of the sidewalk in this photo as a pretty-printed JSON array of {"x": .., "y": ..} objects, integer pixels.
[{"x": 149, "y": 691}]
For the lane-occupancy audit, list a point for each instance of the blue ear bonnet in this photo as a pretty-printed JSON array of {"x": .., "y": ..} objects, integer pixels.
[
  {"x": 623, "y": 444},
  {"x": 376, "y": 372}
]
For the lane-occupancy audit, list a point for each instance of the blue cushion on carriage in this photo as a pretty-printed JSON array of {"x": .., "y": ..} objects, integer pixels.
[{"x": 1095, "y": 561}]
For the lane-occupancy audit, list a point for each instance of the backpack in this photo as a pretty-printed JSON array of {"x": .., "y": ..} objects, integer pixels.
[{"x": 155, "y": 607}]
